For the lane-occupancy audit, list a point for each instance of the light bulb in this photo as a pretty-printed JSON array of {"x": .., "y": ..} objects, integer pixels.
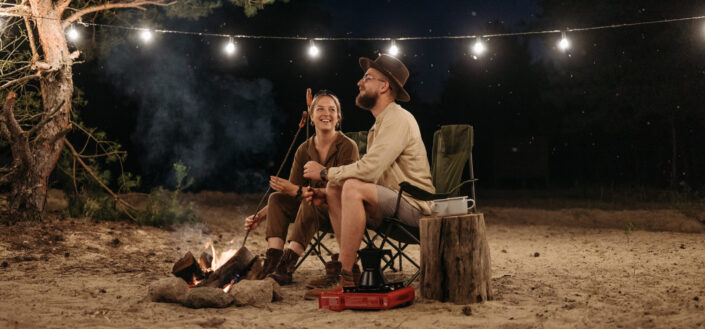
[
  {"x": 393, "y": 49},
  {"x": 72, "y": 34},
  {"x": 146, "y": 35},
  {"x": 230, "y": 47},
  {"x": 313, "y": 50},
  {"x": 564, "y": 43},
  {"x": 478, "y": 48}
]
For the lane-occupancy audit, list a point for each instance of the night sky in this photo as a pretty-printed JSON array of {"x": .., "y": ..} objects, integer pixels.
[{"x": 231, "y": 118}]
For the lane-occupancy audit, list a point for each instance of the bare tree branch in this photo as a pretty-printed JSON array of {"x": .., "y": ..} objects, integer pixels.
[
  {"x": 32, "y": 45},
  {"x": 21, "y": 10},
  {"x": 46, "y": 119},
  {"x": 137, "y": 4},
  {"x": 15, "y": 71},
  {"x": 20, "y": 80},
  {"x": 18, "y": 138}
]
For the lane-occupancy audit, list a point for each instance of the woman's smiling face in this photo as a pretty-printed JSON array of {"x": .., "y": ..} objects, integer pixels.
[{"x": 325, "y": 114}]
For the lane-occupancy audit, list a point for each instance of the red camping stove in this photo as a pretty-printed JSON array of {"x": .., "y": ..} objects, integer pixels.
[{"x": 372, "y": 292}]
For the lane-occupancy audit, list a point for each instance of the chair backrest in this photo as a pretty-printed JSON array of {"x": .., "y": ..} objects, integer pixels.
[
  {"x": 360, "y": 138},
  {"x": 452, "y": 150}
]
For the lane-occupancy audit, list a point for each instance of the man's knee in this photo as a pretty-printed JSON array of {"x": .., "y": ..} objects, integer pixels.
[{"x": 355, "y": 188}]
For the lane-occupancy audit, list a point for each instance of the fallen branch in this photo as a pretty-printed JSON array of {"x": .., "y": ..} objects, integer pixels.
[{"x": 88, "y": 169}]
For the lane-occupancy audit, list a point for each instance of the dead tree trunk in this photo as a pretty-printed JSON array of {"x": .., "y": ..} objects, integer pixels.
[
  {"x": 44, "y": 142},
  {"x": 455, "y": 259}
]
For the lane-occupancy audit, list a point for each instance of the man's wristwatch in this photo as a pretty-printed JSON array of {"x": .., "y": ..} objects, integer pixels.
[
  {"x": 299, "y": 191},
  {"x": 324, "y": 173}
]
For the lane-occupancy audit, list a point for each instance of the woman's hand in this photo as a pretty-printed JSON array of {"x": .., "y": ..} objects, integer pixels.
[
  {"x": 312, "y": 170},
  {"x": 314, "y": 196},
  {"x": 282, "y": 185},
  {"x": 253, "y": 221}
]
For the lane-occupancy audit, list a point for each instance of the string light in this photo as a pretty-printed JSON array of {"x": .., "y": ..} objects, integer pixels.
[
  {"x": 72, "y": 34},
  {"x": 230, "y": 47},
  {"x": 564, "y": 43},
  {"x": 312, "y": 49},
  {"x": 478, "y": 48},
  {"x": 146, "y": 35},
  {"x": 393, "y": 49}
]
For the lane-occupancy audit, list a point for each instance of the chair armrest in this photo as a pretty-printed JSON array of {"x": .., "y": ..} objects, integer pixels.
[{"x": 420, "y": 194}]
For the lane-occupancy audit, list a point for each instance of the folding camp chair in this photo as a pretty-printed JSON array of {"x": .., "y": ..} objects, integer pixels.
[
  {"x": 452, "y": 148},
  {"x": 316, "y": 244}
]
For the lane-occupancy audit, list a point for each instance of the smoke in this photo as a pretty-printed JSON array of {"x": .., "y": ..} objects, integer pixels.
[{"x": 218, "y": 125}]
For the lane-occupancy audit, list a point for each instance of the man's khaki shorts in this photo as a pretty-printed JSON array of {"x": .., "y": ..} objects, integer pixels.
[{"x": 387, "y": 202}]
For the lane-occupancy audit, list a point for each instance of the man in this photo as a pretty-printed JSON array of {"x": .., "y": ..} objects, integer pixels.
[{"x": 365, "y": 191}]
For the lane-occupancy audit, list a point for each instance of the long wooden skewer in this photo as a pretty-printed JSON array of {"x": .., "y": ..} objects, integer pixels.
[{"x": 302, "y": 123}]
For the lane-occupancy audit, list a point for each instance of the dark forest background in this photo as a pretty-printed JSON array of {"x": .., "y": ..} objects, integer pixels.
[{"x": 623, "y": 107}]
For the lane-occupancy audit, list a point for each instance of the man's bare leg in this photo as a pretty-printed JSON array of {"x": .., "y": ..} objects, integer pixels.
[
  {"x": 358, "y": 197},
  {"x": 333, "y": 198}
]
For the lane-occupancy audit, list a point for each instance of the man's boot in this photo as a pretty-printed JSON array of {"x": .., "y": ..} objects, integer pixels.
[
  {"x": 346, "y": 280},
  {"x": 333, "y": 274},
  {"x": 271, "y": 261},
  {"x": 330, "y": 278},
  {"x": 285, "y": 271}
]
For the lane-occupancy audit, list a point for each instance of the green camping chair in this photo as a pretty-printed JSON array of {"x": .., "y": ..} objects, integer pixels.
[
  {"x": 452, "y": 149},
  {"x": 316, "y": 244}
]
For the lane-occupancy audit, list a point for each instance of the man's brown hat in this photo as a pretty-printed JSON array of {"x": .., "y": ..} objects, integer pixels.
[{"x": 391, "y": 67}]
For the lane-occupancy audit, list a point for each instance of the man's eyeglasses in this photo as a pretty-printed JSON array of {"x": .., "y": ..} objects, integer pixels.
[{"x": 368, "y": 77}]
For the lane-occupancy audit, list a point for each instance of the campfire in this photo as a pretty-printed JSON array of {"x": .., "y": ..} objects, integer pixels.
[
  {"x": 216, "y": 270},
  {"x": 216, "y": 279}
]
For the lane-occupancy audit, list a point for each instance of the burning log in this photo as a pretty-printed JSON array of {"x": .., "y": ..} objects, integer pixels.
[
  {"x": 237, "y": 265},
  {"x": 205, "y": 260},
  {"x": 188, "y": 268}
]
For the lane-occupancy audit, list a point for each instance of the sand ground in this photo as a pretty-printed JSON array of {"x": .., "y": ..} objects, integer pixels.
[{"x": 567, "y": 268}]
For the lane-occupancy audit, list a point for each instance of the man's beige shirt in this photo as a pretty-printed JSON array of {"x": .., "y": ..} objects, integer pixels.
[{"x": 395, "y": 154}]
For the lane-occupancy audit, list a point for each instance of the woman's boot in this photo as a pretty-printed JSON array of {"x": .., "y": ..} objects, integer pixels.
[
  {"x": 271, "y": 261},
  {"x": 285, "y": 271}
]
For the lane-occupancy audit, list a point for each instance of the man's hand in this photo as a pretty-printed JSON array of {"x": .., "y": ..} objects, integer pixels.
[
  {"x": 282, "y": 185},
  {"x": 253, "y": 221},
  {"x": 314, "y": 196},
  {"x": 312, "y": 170}
]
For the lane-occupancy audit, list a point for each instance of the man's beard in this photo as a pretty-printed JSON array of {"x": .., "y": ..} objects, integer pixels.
[{"x": 366, "y": 101}]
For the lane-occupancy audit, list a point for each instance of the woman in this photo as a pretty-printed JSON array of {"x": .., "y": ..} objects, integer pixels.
[{"x": 330, "y": 148}]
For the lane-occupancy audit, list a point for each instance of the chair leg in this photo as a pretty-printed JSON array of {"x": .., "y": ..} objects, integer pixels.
[{"x": 316, "y": 243}]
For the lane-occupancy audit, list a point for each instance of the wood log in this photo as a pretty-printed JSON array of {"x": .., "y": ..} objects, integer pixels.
[
  {"x": 205, "y": 260},
  {"x": 238, "y": 265},
  {"x": 187, "y": 268},
  {"x": 455, "y": 259}
]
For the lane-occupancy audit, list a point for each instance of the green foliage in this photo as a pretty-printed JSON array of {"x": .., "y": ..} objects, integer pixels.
[
  {"x": 628, "y": 230},
  {"x": 164, "y": 207}
]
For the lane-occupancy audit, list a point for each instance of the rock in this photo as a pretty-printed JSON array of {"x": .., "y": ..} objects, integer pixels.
[
  {"x": 252, "y": 292},
  {"x": 170, "y": 290},
  {"x": 276, "y": 290},
  {"x": 203, "y": 297}
]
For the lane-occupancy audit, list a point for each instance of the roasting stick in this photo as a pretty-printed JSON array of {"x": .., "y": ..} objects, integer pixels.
[{"x": 302, "y": 123}]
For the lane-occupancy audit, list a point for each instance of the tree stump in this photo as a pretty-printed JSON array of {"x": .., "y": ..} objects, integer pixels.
[{"x": 455, "y": 259}]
